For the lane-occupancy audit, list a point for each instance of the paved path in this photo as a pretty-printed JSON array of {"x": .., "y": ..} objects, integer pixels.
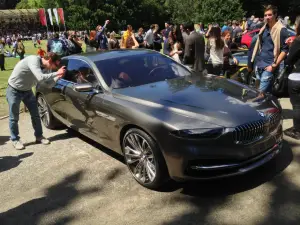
[{"x": 76, "y": 181}]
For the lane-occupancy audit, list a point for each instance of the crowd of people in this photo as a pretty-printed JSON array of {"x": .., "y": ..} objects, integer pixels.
[{"x": 185, "y": 43}]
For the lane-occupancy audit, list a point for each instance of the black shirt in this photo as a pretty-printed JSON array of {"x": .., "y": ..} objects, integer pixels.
[{"x": 293, "y": 58}]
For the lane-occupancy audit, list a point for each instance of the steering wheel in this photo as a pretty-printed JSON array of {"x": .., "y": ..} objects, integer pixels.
[{"x": 154, "y": 70}]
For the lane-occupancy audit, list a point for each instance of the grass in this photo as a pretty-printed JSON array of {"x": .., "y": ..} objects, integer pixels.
[{"x": 9, "y": 66}]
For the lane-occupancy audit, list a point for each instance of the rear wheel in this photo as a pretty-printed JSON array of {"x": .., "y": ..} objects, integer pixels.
[
  {"x": 46, "y": 115},
  {"x": 144, "y": 159}
]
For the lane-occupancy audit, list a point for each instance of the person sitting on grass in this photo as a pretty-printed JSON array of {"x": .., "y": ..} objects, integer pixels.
[{"x": 26, "y": 74}]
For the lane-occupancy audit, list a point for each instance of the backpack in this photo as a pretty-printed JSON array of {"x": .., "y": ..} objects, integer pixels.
[{"x": 57, "y": 47}]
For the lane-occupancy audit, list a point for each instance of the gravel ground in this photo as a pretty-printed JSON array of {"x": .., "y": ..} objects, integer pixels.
[{"x": 77, "y": 181}]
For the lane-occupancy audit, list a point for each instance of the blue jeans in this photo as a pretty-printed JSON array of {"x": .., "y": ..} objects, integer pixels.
[
  {"x": 14, "y": 98},
  {"x": 266, "y": 79},
  {"x": 166, "y": 45}
]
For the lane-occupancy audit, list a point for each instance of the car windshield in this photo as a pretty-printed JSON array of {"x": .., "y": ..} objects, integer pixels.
[{"x": 139, "y": 69}]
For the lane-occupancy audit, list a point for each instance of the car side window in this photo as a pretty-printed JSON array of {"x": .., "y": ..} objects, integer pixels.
[{"x": 80, "y": 72}]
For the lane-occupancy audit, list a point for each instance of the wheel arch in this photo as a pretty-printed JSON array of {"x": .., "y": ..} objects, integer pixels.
[{"x": 127, "y": 127}]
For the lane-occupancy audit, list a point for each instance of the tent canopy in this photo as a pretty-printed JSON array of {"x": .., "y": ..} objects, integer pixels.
[{"x": 18, "y": 13}]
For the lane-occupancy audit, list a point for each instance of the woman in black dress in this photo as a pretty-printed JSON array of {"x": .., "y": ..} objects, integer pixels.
[{"x": 293, "y": 60}]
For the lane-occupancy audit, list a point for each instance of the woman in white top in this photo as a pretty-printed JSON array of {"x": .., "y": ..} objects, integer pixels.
[
  {"x": 215, "y": 50},
  {"x": 293, "y": 60},
  {"x": 176, "y": 42}
]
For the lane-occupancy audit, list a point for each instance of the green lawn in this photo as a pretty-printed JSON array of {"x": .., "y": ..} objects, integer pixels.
[{"x": 9, "y": 65}]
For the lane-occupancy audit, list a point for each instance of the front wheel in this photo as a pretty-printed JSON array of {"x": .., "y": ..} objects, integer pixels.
[
  {"x": 46, "y": 115},
  {"x": 144, "y": 159}
]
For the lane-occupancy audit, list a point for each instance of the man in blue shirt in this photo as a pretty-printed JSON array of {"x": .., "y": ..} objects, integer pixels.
[
  {"x": 225, "y": 27},
  {"x": 269, "y": 51}
]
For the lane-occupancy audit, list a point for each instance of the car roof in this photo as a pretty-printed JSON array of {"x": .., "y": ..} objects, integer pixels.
[{"x": 112, "y": 54}]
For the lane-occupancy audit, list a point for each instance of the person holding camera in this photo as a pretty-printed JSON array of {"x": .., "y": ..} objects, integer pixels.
[
  {"x": 26, "y": 74},
  {"x": 101, "y": 36}
]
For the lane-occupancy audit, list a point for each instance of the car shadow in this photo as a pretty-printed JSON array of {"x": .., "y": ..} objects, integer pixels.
[
  {"x": 64, "y": 136},
  {"x": 102, "y": 148},
  {"x": 71, "y": 133},
  {"x": 57, "y": 198},
  {"x": 236, "y": 184},
  {"x": 4, "y": 140},
  {"x": 10, "y": 162}
]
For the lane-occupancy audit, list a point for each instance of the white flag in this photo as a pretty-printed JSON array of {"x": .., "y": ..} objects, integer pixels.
[
  {"x": 56, "y": 15},
  {"x": 50, "y": 16}
]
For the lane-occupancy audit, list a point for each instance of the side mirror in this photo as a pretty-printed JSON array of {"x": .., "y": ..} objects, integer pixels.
[{"x": 84, "y": 87}]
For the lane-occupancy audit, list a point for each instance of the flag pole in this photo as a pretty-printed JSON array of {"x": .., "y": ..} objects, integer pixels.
[
  {"x": 46, "y": 22},
  {"x": 64, "y": 21}
]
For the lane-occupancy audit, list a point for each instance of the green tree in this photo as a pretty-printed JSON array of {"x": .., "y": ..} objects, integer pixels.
[
  {"x": 285, "y": 8},
  {"x": 183, "y": 11},
  {"x": 87, "y": 14},
  {"x": 219, "y": 11},
  {"x": 35, "y": 4},
  {"x": 77, "y": 18},
  {"x": 205, "y": 11}
]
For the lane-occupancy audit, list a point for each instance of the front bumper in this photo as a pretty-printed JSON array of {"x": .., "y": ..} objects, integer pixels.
[
  {"x": 212, "y": 160},
  {"x": 232, "y": 169}
]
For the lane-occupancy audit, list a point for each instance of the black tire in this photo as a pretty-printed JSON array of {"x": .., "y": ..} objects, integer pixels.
[
  {"x": 244, "y": 75},
  {"x": 161, "y": 171},
  {"x": 251, "y": 79},
  {"x": 46, "y": 115}
]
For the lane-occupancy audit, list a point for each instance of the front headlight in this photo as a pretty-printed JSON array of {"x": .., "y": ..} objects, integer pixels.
[{"x": 199, "y": 133}]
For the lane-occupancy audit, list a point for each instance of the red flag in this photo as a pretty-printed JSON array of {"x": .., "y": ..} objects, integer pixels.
[
  {"x": 61, "y": 15},
  {"x": 42, "y": 15}
]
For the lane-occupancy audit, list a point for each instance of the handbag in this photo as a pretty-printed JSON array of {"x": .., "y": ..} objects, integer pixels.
[{"x": 280, "y": 84}]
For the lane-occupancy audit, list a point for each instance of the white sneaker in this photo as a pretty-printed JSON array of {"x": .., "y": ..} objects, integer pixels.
[
  {"x": 43, "y": 141},
  {"x": 18, "y": 145}
]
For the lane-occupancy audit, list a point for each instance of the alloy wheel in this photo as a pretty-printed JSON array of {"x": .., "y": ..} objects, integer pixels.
[
  {"x": 43, "y": 111},
  {"x": 140, "y": 158}
]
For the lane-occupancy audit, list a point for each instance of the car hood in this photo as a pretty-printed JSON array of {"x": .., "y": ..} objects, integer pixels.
[{"x": 212, "y": 99}]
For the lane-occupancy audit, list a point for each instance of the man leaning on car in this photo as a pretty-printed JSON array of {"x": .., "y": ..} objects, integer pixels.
[
  {"x": 269, "y": 51},
  {"x": 25, "y": 75}
]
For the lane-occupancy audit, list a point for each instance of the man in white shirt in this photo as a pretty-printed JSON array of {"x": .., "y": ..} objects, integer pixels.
[{"x": 149, "y": 38}]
